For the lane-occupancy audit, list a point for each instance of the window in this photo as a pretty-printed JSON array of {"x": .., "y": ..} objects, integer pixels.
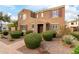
[
  {"x": 24, "y": 16},
  {"x": 33, "y": 14},
  {"x": 20, "y": 15},
  {"x": 23, "y": 27},
  {"x": 54, "y": 26},
  {"x": 37, "y": 15},
  {"x": 55, "y": 13},
  {"x": 33, "y": 26},
  {"x": 42, "y": 14}
]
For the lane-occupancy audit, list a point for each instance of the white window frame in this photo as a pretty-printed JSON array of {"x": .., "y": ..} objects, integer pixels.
[
  {"x": 55, "y": 13},
  {"x": 20, "y": 15},
  {"x": 55, "y": 26},
  {"x": 24, "y": 16},
  {"x": 42, "y": 14},
  {"x": 37, "y": 16}
]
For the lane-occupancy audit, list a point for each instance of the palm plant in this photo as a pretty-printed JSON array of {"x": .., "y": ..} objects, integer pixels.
[{"x": 15, "y": 24}]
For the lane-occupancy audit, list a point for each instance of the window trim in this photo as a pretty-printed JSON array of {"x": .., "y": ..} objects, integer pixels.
[
  {"x": 42, "y": 14},
  {"x": 37, "y": 15},
  {"x": 24, "y": 16},
  {"x": 54, "y": 26},
  {"x": 55, "y": 13}
]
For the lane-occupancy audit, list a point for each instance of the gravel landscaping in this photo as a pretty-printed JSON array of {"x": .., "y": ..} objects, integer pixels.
[{"x": 53, "y": 47}]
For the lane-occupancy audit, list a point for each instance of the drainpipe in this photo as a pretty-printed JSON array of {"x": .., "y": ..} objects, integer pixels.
[
  {"x": 78, "y": 22},
  {"x": 0, "y": 25}
]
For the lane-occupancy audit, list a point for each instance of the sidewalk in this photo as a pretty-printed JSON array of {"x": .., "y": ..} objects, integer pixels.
[{"x": 6, "y": 49}]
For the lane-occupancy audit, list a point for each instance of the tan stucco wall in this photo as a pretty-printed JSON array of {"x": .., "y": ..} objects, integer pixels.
[{"x": 46, "y": 19}]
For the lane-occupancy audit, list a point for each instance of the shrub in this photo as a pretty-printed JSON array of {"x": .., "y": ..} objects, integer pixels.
[
  {"x": 54, "y": 34},
  {"x": 76, "y": 50},
  {"x": 69, "y": 39},
  {"x": 33, "y": 40},
  {"x": 48, "y": 35},
  {"x": 0, "y": 32},
  {"x": 29, "y": 31},
  {"x": 5, "y": 32},
  {"x": 22, "y": 34},
  {"x": 15, "y": 34},
  {"x": 75, "y": 34}
]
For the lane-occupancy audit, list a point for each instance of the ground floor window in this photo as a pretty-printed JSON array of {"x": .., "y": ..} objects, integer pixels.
[
  {"x": 32, "y": 25},
  {"x": 54, "y": 26},
  {"x": 23, "y": 27}
]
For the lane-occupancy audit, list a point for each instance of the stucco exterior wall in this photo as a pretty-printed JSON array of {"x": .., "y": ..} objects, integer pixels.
[{"x": 48, "y": 18}]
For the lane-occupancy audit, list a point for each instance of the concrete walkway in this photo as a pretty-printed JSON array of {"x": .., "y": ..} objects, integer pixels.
[
  {"x": 17, "y": 45},
  {"x": 10, "y": 49}
]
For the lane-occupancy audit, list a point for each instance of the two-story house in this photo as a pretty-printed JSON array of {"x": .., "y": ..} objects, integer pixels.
[
  {"x": 49, "y": 19},
  {"x": 73, "y": 25}
]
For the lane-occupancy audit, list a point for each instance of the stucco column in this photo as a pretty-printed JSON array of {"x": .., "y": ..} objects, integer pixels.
[
  {"x": 35, "y": 28},
  {"x": 44, "y": 27}
]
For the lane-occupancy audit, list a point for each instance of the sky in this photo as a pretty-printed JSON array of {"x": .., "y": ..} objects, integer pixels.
[{"x": 71, "y": 11}]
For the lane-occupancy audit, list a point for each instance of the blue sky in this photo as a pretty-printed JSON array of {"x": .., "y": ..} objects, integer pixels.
[
  {"x": 71, "y": 10},
  {"x": 13, "y": 10}
]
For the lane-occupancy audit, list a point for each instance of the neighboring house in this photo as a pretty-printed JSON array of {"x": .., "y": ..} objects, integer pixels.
[
  {"x": 50, "y": 19},
  {"x": 3, "y": 25},
  {"x": 73, "y": 25}
]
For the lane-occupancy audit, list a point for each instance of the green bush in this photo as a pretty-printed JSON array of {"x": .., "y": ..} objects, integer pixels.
[
  {"x": 69, "y": 39},
  {"x": 33, "y": 40},
  {"x": 22, "y": 34},
  {"x": 48, "y": 35},
  {"x": 54, "y": 34},
  {"x": 29, "y": 31},
  {"x": 0, "y": 32},
  {"x": 15, "y": 34},
  {"x": 75, "y": 34},
  {"x": 76, "y": 50},
  {"x": 5, "y": 32}
]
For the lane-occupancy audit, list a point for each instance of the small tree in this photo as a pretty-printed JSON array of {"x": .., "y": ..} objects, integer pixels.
[
  {"x": 4, "y": 18},
  {"x": 15, "y": 24}
]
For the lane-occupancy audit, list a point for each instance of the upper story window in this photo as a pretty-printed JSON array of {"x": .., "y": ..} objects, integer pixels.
[
  {"x": 24, "y": 16},
  {"x": 37, "y": 15},
  {"x": 42, "y": 14},
  {"x": 33, "y": 14},
  {"x": 55, "y": 13},
  {"x": 20, "y": 16}
]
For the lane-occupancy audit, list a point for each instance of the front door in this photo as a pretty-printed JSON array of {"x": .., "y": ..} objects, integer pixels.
[{"x": 40, "y": 28}]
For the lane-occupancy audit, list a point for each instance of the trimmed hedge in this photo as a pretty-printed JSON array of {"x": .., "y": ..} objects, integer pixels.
[
  {"x": 33, "y": 40},
  {"x": 76, "y": 50},
  {"x": 5, "y": 33},
  {"x": 22, "y": 34},
  {"x": 15, "y": 34},
  {"x": 29, "y": 31},
  {"x": 75, "y": 34},
  {"x": 48, "y": 35},
  {"x": 54, "y": 34}
]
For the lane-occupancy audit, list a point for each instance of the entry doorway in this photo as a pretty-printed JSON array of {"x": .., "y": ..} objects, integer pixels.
[{"x": 40, "y": 28}]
